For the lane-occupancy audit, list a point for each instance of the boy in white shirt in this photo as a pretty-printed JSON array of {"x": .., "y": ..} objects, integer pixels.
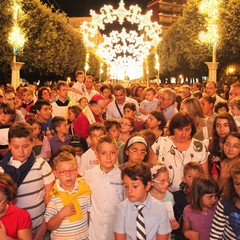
[
  {"x": 78, "y": 88},
  {"x": 89, "y": 158},
  {"x": 107, "y": 190}
]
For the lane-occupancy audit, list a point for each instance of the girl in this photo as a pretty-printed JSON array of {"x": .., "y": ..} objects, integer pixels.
[
  {"x": 223, "y": 124},
  {"x": 156, "y": 122},
  {"x": 136, "y": 149},
  {"x": 231, "y": 149},
  {"x": 159, "y": 190},
  {"x": 198, "y": 215},
  {"x": 127, "y": 128},
  {"x": 83, "y": 102},
  {"x": 15, "y": 223},
  {"x": 41, "y": 143},
  {"x": 7, "y": 118},
  {"x": 73, "y": 112},
  {"x": 225, "y": 224},
  {"x": 129, "y": 110}
]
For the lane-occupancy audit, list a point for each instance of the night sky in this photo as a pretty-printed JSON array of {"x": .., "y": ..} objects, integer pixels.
[{"x": 81, "y": 8}]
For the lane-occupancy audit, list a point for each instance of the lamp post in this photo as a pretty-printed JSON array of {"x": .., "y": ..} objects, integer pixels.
[
  {"x": 17, "y": 40},
  {"x": 209, "y": 8},
  {"x": 157, "y": 66}
]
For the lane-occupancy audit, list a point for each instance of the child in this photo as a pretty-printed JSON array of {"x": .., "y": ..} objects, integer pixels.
[
  {"x": 235, "y": 110},
  {"x": 66, "y": 215},
  {"x": 28, "y": 102},
  {"x": 225, "y": 224},
  {"x": 73, "y": 112},
  {"x": 198, "y": 215},
  {"x": 80, "y": 146},
  {"x": 83, "y": 102},
  {"x": 89, "y": 158},
  {"x": 149, "y": 104},
  {"x": 15, "y": 223},
  {"x": 223, "y": 124},
  {"x": 159, "y": 190},
  {"x": 107, "y": 190},
  {"x": 127, "y": 128},
  {"x": 7, "y": 117},
  {"x": 152, "y": 215},
  {"x": 129, "y": 110},
  {"x": 41, "y": 143},
  {"x": 191, "y": 170},
  {"x": 33, "y": 176},
  {"x": 112, "y": 127},
  {"x": 78, "y": 89},
  {"x": 221, "y": 107},
  {"x": 61, "y": 136},
  {"x": 60, "y": 107},
  {"x": 231, "y": 149}
]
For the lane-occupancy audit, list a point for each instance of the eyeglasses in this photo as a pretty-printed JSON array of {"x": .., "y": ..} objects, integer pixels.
[
  {"x": 126, "y": 124},
  {"x": 2, "y": 202},
  {"x": 168, "y": 181},
  {"x": 135, "y": 151},
  {"x": 65, "y": 172},
  {"x": 234, "y": 146}
]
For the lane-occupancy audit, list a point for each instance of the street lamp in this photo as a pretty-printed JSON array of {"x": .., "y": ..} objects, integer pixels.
[
  {"x": 210, "y": 9},
  {"x": 17, "y": 40}
]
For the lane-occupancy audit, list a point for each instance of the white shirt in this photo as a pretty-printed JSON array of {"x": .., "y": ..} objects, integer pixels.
[
  {"x": 107, "y": 193},
  {"x": 112, "y": 111},
  {"x": 88, "y": 161}
]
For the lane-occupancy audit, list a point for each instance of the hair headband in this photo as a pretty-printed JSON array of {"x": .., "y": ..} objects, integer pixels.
[
  {"x": 155, "y": 169},
  {"x": 3, "y": 185},
  {"x": 136, "y": 139}
]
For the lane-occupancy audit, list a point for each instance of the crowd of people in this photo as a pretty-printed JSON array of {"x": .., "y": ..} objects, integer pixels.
[{"x": 89, "y": 160}]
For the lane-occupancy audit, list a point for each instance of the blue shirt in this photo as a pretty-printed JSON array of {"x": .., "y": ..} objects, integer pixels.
[{"x": 155, "y": 218}]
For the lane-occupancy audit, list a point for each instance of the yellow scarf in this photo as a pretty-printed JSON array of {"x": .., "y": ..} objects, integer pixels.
[{"x": 83, "y": 189}]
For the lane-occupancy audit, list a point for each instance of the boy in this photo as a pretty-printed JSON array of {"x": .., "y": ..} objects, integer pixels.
[
  {"x": 78, "y": 89},
  {"x": 61, "y": 136},
  {"x": 113, "y": 129},
  {"x": 89, "y": 158},
  {"x": 28, "y": 102},
  {"x": 107, "y": 190},
  {"x": 190, "y": 171},
  {"x": 33, "y": 176},
  {"x": 66, "y": 215},
  {"x": 140, "y": 208},
  {"x": 150, "y": 103},
  {"x": 60, "y": 107}
]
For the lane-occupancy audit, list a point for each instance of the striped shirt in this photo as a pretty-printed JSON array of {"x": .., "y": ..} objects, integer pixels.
[
  {"x": 30, "y": 194},
  {"x": 77, "y": 230},
  {"x": 221, "y": 228}
]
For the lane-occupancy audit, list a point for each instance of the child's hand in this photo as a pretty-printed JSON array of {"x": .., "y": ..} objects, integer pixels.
[
  {"x": 216, "y": 159},
  {"x": 47, "y": 198},
  {"x": 3, "y": 233},
  {"x": 24, "y": 111},
  {"x": 67, "y": 211},
  {"x": 174, "y": 224},
  {"x": 190, "y": 234}
]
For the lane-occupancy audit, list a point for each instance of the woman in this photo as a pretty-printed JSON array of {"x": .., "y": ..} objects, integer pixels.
[
  {"x": 203, "y": 125},
  {"x": 156, "y": 122},
  {"x": 180, "y": 148},
  {"x": 207, "y": 103},
  {"x": 107, "y": 94},
  {"x": 44, "y": 93}
]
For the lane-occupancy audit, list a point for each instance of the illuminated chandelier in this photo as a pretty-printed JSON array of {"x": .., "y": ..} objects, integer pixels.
[{"x": 122, "y": 48}]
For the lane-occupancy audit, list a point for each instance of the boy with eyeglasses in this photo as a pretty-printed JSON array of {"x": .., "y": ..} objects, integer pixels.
[{"x": 66, "y": 215}]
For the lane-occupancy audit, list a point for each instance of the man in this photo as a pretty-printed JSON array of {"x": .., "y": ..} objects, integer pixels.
[
  {"x": 43, "y": 110},
  {"x": 115, "y": 108},
  {"x": 60, "y": 107},
  {"x": 90, "y": 114},
  {"x": 90, "y": 91},
  {"x": 167, "y": 102},
  {"x": 10, "y": 96},
  {"x": 234, "y": 91},
  {"x": 211, "y": 90}
]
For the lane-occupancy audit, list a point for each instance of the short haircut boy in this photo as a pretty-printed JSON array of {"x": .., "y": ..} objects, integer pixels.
[
  {"x": 96, "y": 126},
  {"x": 27, "y": 89},
  {"x": 79, "y": 72},
  {"x": 151, "y": 89},
  {"x": 20, "y": 130},
  {"x": 109, "y": 123},
  {"x": 107, "y": 139},
  {"x": 57, "y": 121},
  {"x": 63, "y": 157},
  {"x": 137, "y": 171},
  {"x": 192, "y": 165}
]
